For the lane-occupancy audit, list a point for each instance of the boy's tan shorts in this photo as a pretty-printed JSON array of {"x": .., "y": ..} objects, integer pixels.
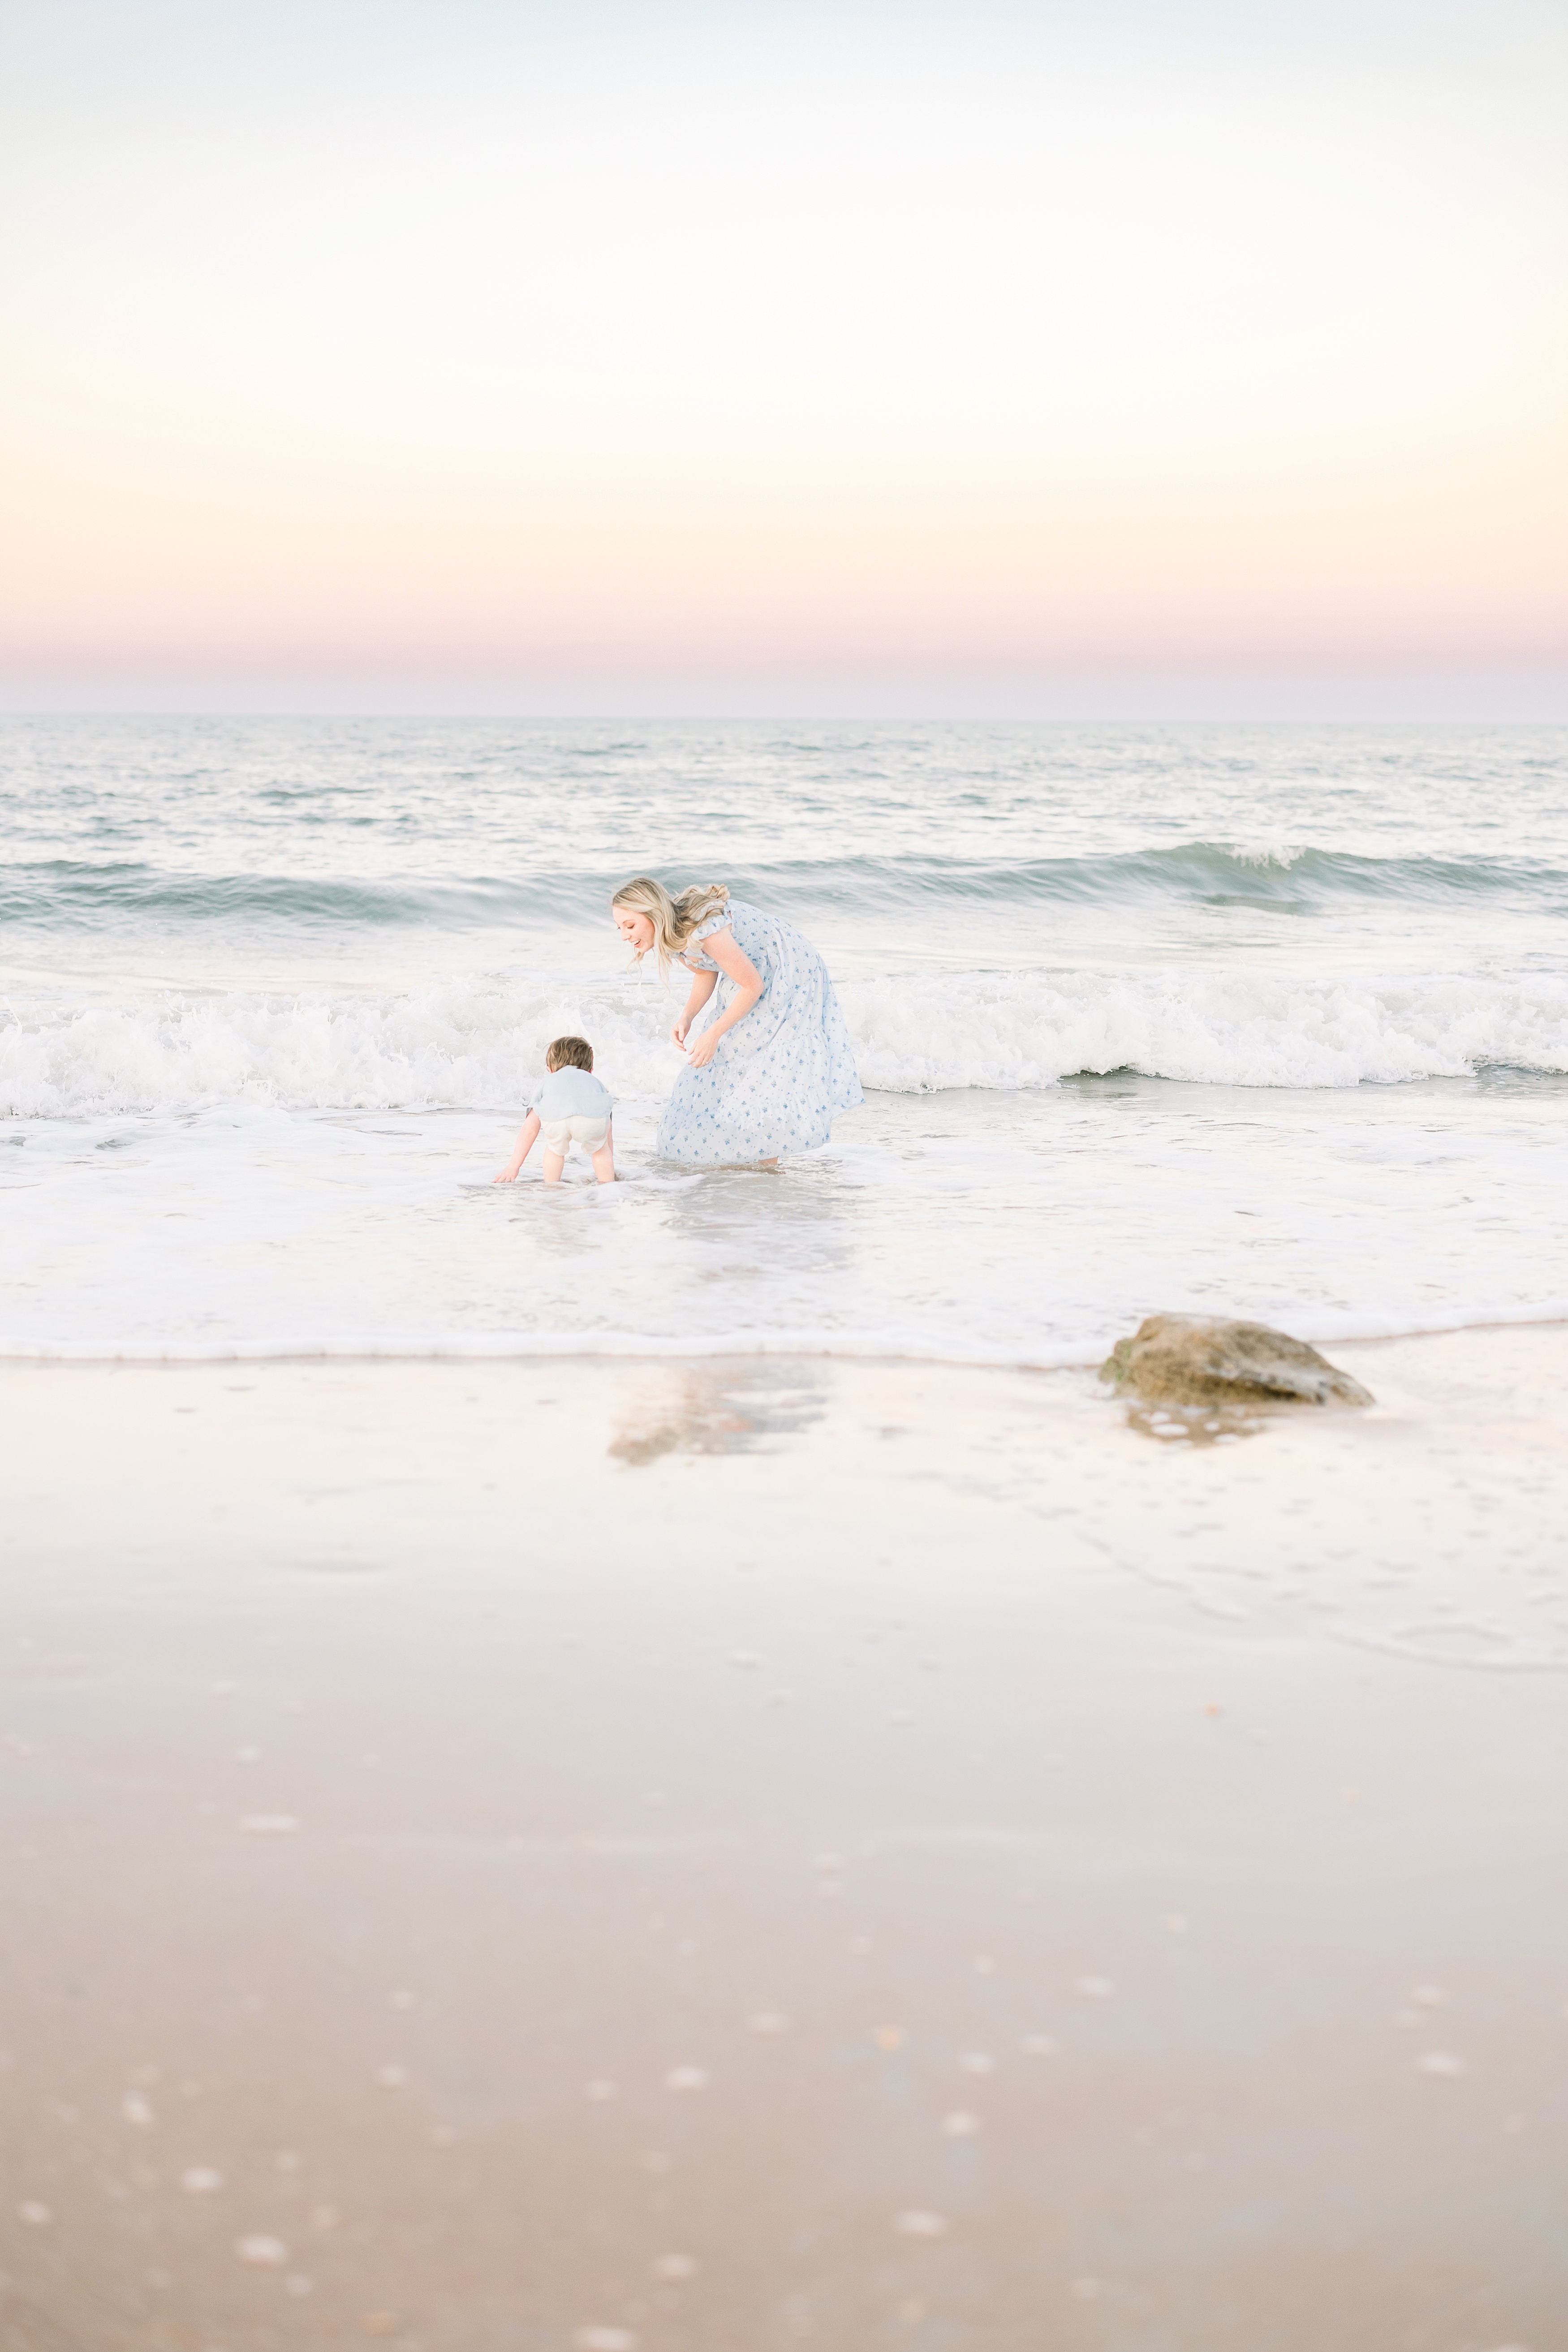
[{"x": 560, "y": 1134}]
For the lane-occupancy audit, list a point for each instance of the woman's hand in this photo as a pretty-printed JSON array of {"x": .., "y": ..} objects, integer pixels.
[
  {"x": 703, "y": 1050},
  {"x": 703, "y": 983}
]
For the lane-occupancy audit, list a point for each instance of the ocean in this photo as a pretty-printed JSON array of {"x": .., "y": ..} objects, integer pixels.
[{"x": 1267, "y": 1021}]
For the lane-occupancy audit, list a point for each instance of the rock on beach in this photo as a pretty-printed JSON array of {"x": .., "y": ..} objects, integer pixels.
[{"x": 1211, "y": 1359}]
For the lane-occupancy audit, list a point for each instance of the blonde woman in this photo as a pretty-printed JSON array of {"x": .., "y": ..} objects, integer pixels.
[{"x": 773, "y": 1060}]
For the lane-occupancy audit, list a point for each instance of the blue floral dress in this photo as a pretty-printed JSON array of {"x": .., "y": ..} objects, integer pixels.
[{"x": 779, "y": 1075}]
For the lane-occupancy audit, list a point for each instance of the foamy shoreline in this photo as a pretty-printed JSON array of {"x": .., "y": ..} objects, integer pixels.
[{"x": 718, "y": 1346}]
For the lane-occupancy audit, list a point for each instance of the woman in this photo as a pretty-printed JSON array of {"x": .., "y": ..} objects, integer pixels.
[{"x": 773, "y": 1062}]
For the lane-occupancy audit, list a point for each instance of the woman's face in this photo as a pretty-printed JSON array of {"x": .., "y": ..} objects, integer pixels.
[{"x": 634, "y": 929}]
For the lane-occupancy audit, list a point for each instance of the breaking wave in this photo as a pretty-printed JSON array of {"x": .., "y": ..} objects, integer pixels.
[{"x": 473, "y": 1042}]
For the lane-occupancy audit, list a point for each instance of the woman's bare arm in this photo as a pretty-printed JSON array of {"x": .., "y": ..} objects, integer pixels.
[
  {"x": 703, "y": 983},
  {"x": 736, "y": 965}
]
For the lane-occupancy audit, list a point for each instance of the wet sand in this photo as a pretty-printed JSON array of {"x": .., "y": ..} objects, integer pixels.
[{"x": 556, "y": 1857}]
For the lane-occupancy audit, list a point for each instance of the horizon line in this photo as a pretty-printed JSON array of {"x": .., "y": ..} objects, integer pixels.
[{"x": 1418, "y": 689}]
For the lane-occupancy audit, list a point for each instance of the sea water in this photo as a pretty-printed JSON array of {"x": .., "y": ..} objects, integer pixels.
[{"x": 1271, "y": 1020}]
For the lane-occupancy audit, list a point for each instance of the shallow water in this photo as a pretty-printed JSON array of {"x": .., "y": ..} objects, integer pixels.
[
  {"x": 1265, "y": 1020},
  {"x": 1025, "y": 1228}
]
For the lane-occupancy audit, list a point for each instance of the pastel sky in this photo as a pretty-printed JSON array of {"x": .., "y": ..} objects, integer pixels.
[{"x": 518, "y": 349}]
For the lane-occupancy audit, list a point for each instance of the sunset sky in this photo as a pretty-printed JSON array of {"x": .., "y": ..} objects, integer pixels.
[{"x": 456, "y": 354}]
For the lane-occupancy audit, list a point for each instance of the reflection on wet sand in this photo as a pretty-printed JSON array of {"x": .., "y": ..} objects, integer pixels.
[
  {"x": 1199, "y": 1425},
  {"x": 707, "y": 1410},
  {"x": 770, "y": 1855}
]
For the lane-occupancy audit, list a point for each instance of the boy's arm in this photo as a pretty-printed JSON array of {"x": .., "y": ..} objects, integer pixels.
[{"x": 527, "y": 1136}]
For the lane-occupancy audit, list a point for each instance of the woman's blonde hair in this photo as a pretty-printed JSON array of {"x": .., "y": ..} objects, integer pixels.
[{"x": 673, "y": 919}]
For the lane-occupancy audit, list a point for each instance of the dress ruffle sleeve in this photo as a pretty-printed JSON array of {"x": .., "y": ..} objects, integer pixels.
[{"x": 722, "y": 921}]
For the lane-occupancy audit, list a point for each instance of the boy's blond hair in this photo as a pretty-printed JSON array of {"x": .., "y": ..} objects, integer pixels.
[
  {"x": 673, "y": 919},
  {"x": 568, "y": 1054}
]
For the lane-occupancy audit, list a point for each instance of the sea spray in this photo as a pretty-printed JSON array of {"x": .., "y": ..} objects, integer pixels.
[{"x": 478, "y": 1041}]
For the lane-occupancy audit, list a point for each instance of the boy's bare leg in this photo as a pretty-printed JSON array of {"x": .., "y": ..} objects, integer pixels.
[
  {"x": 604, "y": 1163},
  {"x": 553, "y": 1162}
]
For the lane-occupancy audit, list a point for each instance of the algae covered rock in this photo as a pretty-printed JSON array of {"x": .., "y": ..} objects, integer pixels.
[{"x": 1210, "y": 1360}]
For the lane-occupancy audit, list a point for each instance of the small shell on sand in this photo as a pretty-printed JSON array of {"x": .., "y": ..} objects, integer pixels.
[
  {"x": 917, "y": 2224},
  {"x": 266, "y": 2253}
]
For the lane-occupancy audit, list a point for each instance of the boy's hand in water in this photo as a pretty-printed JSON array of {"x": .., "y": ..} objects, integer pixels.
[{"x": 527, "y": 1137}]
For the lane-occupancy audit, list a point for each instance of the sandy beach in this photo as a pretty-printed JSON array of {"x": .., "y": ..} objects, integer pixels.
[{"x": 581, "y": 1854}]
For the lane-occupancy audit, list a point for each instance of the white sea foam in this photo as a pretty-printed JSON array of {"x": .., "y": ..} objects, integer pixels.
[
  {"x": 478, "y": 1041},
  {"x": 1233, "y": 1028},
  {"x": 473, "y": 1042},
  {"x": 894, "y": 1345},
  {"x": 1265, "y": 854}
]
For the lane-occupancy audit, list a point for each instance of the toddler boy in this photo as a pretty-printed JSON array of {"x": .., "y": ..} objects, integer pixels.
[{"x": 570, "y": 1105}]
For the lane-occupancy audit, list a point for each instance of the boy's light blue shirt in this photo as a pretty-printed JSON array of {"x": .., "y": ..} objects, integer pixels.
[{"x": 571, "y": 1093}]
